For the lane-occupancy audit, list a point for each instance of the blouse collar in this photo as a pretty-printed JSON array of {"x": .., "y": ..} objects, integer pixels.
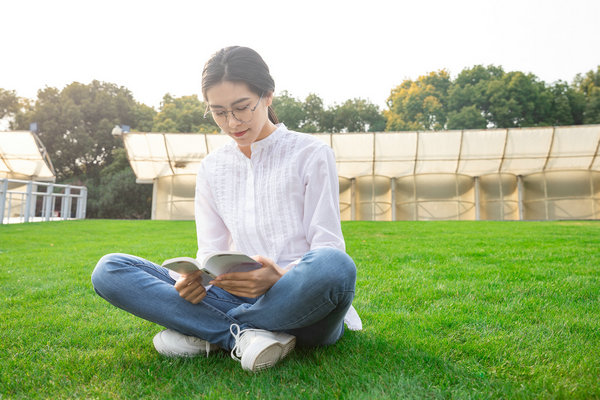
[{"x": 269, "y": 140}]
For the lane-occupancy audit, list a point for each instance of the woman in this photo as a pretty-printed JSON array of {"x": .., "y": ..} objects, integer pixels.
[{"x": 270, "y": 192}]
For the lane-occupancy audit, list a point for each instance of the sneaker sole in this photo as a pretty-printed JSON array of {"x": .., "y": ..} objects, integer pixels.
[
  {"x": 288, "y": 342},
  {"x": 266, "y": 352}
]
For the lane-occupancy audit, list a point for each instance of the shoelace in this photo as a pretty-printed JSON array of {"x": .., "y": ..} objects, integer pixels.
[
  {"x": 240, "y": 341},
  {"x": 201, "y": 342}
]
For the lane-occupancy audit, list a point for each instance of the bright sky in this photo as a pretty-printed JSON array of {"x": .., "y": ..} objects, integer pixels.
[{"x": 337, "y": 49}]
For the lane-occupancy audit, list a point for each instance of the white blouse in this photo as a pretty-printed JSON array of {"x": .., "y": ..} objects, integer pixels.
[{"x": 280, "y": 203}]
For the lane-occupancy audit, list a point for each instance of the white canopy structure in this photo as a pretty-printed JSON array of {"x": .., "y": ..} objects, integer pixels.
[
  {"x": 23, "y": 156},
  {"x": 27, "y": 189},
  {"x": 497, "y": 174}
]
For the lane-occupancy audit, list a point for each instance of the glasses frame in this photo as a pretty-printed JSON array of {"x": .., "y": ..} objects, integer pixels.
[{"x": 227, "y": 112}]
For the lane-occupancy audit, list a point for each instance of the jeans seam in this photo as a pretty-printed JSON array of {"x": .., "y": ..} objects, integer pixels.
[{"x": 149, "y": 269}]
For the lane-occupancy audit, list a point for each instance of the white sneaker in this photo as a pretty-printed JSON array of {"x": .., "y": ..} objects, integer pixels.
[
  {"x": 171, "y": 343},
  {"x": 258, "y": 349}
]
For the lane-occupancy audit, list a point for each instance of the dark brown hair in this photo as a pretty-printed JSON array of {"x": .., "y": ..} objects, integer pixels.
[{"x": 239, "y": 64}]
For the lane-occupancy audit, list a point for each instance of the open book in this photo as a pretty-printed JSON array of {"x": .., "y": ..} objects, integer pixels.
[{"x": 213, "y": 265}]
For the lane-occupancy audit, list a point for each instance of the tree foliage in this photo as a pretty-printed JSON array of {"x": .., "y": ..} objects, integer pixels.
[
  {"x": 75, "y": 124},
  {"x": 115, "y": 193},
  {"x": 290, "y": 111},
  {"x": 420, "y": 104},
  {"x": 9, "y": 103},
  {"x": 182, "y": 114},
  {"x": 589, "y": 86},
  {"x": 488, "y": 97},
  {"x": 354, "y": 115}
]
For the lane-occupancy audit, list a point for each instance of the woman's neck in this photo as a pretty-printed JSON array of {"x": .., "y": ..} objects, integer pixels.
[{"x": 266, "y": 131}]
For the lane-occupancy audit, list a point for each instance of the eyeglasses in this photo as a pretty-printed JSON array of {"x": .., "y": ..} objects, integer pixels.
[{"x": 242, "y": 114}]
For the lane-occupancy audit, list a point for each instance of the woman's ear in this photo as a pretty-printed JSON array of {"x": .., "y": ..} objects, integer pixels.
[{"x": 268, "y": 98}]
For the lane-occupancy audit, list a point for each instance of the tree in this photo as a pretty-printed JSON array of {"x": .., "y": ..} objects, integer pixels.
[
  {"x": 592, "y": 107},
  {"x": 567, "y": 105},
  {"x": 501, "y": 99},
  {"x": 420, "y": 104},
  {"x": 9, "y": 103},
  {"x": 144, "y": 115},
  {"x": 183, "y": 114},
  {"x": 289, "y": 110},
  {"x": 487, "y": 97},
  {"x": 468, "y": 100},
  {"x": 313, "y": 114},
  {"x": 356, "y": 115},
  {"x": 518, "y": 100},
  {"x": 469, "y": 117},
  {"x": 589, "y": 86},
  {"x": 75, "y": 124},
  {"x": 115, "y": 193}
]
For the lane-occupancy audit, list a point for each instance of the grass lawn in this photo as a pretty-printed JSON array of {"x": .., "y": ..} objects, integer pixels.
[{"x": 450, "y": 310}]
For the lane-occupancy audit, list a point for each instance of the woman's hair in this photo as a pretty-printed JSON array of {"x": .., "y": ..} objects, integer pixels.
[{"x": 239, "y": 64}]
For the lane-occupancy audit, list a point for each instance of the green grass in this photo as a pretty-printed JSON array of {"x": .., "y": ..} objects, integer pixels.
[{"x": 450, "y": 310}]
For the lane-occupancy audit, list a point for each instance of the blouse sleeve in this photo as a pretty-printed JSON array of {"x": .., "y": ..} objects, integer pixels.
[
  {"x": 321, "y": 201},
  {"x": 211, "y": 231}
]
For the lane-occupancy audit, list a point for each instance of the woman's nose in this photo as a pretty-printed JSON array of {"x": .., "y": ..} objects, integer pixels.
[{"x": 232, "y": 121}]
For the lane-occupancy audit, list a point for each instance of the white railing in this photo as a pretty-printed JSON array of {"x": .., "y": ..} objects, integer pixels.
[{"x": 26, "y": 201}]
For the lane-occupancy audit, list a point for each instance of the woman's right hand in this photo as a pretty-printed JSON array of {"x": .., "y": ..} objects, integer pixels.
[{"x": 190, "y": 287}]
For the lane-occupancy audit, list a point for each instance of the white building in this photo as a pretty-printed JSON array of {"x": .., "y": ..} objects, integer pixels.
[{"x": 545, "y": 173}]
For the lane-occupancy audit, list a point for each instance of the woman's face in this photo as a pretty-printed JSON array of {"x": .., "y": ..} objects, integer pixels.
[{"x": 237, "y": 97}]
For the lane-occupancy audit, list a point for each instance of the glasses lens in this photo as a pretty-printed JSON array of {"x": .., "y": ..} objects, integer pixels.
[{"x": 243, "y": 115}]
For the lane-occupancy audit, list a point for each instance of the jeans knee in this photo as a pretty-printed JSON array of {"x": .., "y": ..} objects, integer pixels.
[
  {"x": 102, "y": 271},
  {"x": 337, "y": 264}
]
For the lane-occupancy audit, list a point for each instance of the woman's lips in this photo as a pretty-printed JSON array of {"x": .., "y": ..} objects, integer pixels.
[{"x": 239, "y": 134}]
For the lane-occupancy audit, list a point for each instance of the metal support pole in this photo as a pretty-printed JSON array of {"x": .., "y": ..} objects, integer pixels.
[
  {"x": 520, "y": 196},
  {"x": 154, "y": 198},
  {"x": 79, "y": 205},
  {"x": 9, "y": 206},
  {"x": 34, "y": 200},
  {"x": 28, "y": 201},
  {"x": 393, "y": 188},
  {"x": 353, "y": 199},
  {"x": 66, "y": 204},
  {"x": 477, "y": 206},
  {"x": 546, "y": 197},
  {"x": 592, "y": 197},
  {"x": 3, "y": 197},
  {"x": 457, "y": 197},
  {"x": 501, "y": 191},
  {"x": 48, "y": 203},
  {"x": 82, "y": 208},
  {"x": 416, "y": 205}
]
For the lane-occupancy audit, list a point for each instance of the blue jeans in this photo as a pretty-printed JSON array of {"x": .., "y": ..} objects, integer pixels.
[{"x": 309, "y": 302}]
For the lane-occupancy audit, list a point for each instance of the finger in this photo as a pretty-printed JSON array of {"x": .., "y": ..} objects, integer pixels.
[
  {"x": 194, "y": 276},
  {"x": 191, "y": 290},
  {"x": 245, "y": 292},
  {"x": 263, "y": 260},
  {"x": 258, "y": 258},
  {"x": 197, "y": 298},
  {"x": 245, "y": 289},
  {"x": 187, "y": 280},
  {"x": 233, "y": 284},
  {"x": 241, "y": 276}
]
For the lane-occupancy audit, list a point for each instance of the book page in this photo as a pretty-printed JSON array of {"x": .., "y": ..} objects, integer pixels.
[{"x": 222, "y": 263}]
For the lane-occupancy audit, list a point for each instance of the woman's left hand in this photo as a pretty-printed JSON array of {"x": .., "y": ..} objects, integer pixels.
[{"x": 251, "y": 283}]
